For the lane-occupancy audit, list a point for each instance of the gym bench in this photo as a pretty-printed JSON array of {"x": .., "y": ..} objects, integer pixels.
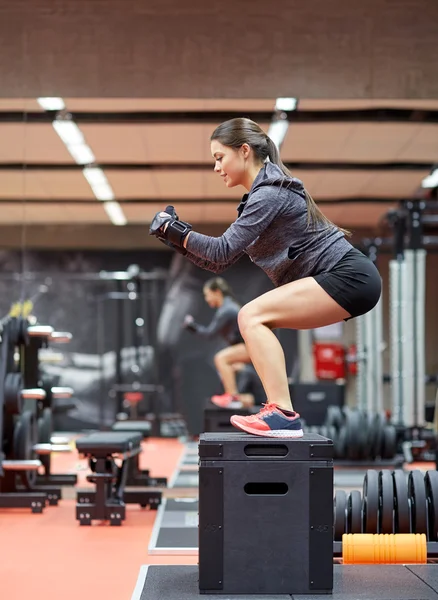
[
  {"x": 108, "y": 501},
  {"x": 136, "y": 476}
]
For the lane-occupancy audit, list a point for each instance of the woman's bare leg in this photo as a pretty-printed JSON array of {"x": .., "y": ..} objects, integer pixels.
[{"x": 302, "y": 304}]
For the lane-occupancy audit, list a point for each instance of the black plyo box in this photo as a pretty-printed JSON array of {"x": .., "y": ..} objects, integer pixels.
[{"x": 265, "y": 514}]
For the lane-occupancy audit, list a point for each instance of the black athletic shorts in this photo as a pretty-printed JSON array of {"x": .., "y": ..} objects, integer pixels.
[{"x": 354, "y": 282}]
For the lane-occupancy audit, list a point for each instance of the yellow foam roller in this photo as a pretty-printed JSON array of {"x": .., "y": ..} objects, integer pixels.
[{"x": 384, "y": 549}]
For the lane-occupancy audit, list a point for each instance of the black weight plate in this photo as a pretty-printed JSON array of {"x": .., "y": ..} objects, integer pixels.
[
  {"x": 340, "y": 443},
  {"x": 389, "y": 445},
  {"x": 402, "y": 512},
  {"x": 334, "y": 417},
  {"x": 370, "y": 502},
  {"x": 323, "y": 431},
  {"x": 353, "y": 424},
  {"x": 366, "y": 442},
  {"x": 378, "y": 424},
  {"x": 417, "y": 496},
  {"x": 339, "y": 513},
  {"x": 45, "y": 431},
  {"x": 354, "y": 512},
  {"x": 331, "y": 433},
  {"x": 431, "y": 483},
  {"x": 386, "y": 502},
  {"x": 363, "y": 436},
  {"x": 12, "y": 391}
]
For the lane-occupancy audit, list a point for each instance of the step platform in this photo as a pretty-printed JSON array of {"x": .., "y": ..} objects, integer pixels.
[{"x": 350, "y": 582}]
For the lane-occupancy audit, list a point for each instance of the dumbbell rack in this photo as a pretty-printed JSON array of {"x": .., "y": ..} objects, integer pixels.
[
  {"x": 45, "y": 407},
  {"x": 17, "y": 460},
  {"x": 18, "y": 422}
]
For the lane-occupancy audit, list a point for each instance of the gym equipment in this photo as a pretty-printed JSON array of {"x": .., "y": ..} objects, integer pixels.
[
  {"x": 108, "y": 500},
  {"x": 132, "y": 307},
  {"x": 407, "y": 377},
  {"x": 18, "y": 432},
  {"x": 400, "y": 548},
  {"x": 393, "y": 502},
  {"x": 137, "y": 476},
  {"x": 39, "y": 338},
  {"x": 360, "y": 436},
  {"x": 243, "y": 491}
]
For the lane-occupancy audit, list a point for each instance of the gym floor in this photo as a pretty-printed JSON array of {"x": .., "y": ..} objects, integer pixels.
[{"x": 51, "y": 554}]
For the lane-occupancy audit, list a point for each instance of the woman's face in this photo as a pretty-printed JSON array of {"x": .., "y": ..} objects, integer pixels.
[
  {"x": 229, "y": 162},
  {"x": 213, "y": 298}
]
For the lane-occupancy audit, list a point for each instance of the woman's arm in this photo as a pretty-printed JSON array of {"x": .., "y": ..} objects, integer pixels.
[{"x": 261, "y": 209}]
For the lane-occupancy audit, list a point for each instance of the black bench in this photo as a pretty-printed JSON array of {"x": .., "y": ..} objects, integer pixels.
[
  {"x": 139, "y": 477},
  {"x": 107, "y": 501}
]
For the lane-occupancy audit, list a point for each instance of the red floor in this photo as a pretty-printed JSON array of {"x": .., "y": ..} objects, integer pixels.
[{"x": 51, "y": 556}]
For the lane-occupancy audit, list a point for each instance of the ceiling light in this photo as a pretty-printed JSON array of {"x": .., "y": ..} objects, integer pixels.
[
  {"x": 51, "y": 103},
  {"x": 115, "y": 213},
  {"x": 68, "y": 131},
  {"x": 277, "y": 131},
  {"x": 431, "y": 181},
  {"x": 81, "y": 153},
  {"x": 286, "y": 104},
  {"x": 99, "y": 183}
]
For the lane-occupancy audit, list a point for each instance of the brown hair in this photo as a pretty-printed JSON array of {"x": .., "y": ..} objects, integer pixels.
[
  {"x": 236, "y": 132},
  {"x": 219, "y": 284}
]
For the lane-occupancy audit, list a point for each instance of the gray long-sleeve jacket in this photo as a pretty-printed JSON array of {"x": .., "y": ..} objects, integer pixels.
[
  {"x": 272, "y": 228},
  {"x": 224, "y": 323}
]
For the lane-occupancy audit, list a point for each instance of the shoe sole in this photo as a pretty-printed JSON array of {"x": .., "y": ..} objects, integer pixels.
[{"x": 275, "y": 433}]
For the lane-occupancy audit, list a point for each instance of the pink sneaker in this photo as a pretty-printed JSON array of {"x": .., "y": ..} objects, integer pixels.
[
  {"x": 225, "y": 400},
  {"x": 271, "y": 421}
]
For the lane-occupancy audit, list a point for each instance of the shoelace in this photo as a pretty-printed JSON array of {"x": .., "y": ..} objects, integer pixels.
[{"x": 268, "y": 408}]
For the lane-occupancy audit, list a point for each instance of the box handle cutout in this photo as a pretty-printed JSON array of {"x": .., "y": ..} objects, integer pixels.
[
  {"x": 267, "y": 488},
  {"x": 266, "y": 450}
]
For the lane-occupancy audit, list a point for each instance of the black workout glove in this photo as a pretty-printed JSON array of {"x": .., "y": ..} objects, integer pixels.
[{"x": 176, "y": 230}]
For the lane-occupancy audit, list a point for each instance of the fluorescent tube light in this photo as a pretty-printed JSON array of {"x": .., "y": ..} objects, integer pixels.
[
  {"x": 286, "y": 104},
  {"x": 51, "y": 103},
  {"x": 115, "y": 213}
]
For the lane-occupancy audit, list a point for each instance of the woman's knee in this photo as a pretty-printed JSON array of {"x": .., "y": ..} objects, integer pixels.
[
  {"x": 219, "y": 360},
  {"x": 248, "y": 316}
]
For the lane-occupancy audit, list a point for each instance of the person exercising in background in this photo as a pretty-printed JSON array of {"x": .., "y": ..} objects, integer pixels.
[{"x": 218, "y": 294}]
